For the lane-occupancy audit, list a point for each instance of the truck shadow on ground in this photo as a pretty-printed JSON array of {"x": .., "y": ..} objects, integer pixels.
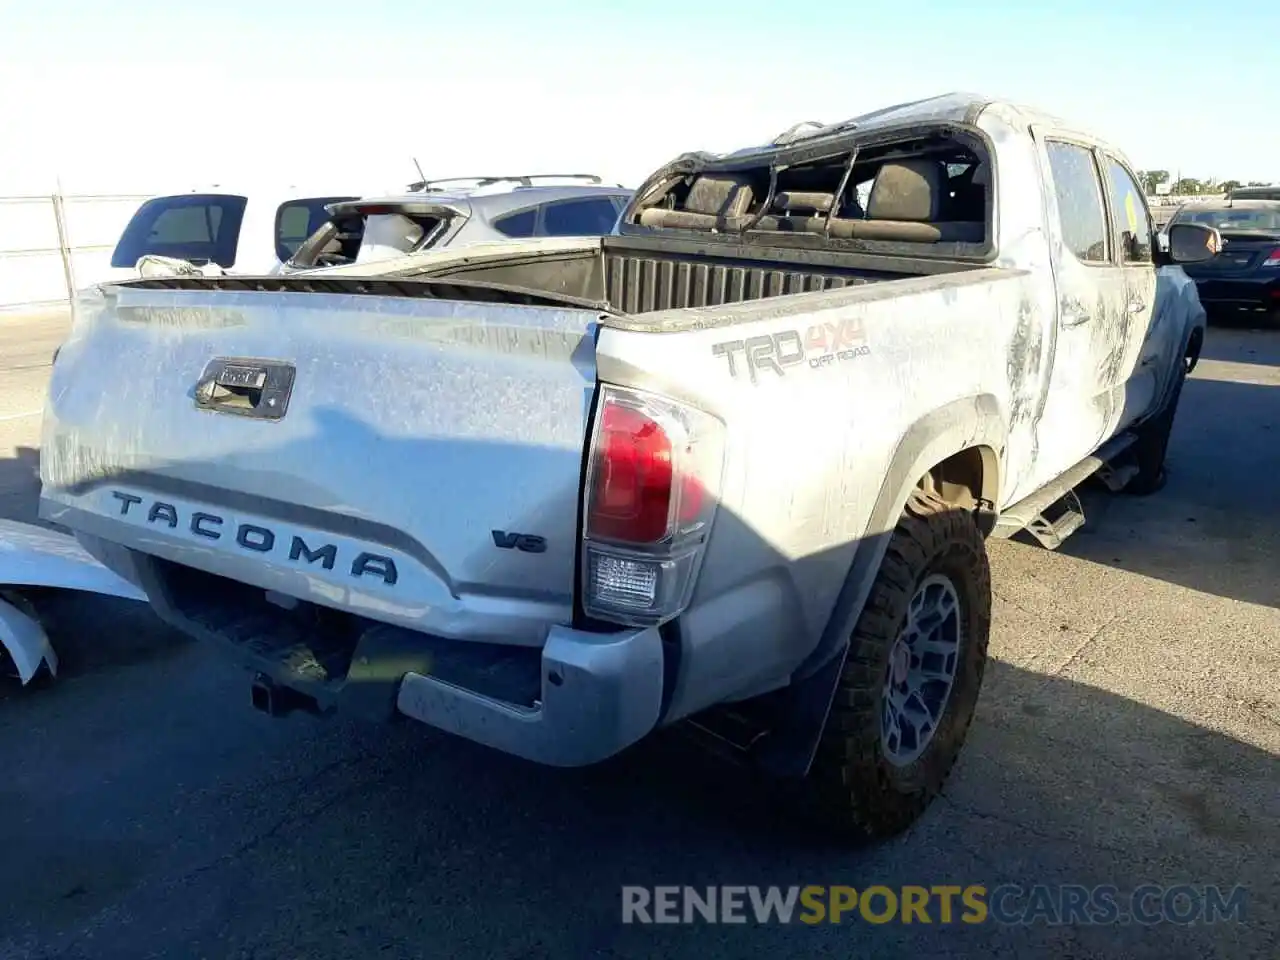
[
  {"x": 89, "y": 632},
  {"x": 341, "y": 839},
  {"x": 1215, "y": 526},
  {"x": 1060, "y": 782},
  {"x": 92, "y": 634}
]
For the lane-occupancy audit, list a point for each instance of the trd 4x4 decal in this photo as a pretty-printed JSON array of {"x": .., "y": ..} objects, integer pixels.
[{"x": 820, "y": 345}]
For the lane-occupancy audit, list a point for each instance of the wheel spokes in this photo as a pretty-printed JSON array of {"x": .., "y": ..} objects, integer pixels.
[{"x": 921, "y": 671}]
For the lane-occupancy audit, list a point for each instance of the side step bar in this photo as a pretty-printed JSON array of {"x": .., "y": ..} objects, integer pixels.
[
  {"x": 1054, "y": 512},
  {"x": 1066, "y": 519}
]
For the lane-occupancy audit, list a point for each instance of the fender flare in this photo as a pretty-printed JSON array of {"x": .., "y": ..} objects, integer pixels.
[
  {"x": 1190, "y": 344},
  {"x": 32, "y": 556},
  {"x": 1194, "y": 322},
  {"x": 960, "y": 425}
]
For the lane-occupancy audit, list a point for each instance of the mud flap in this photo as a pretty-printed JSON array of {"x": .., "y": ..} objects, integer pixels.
[{"x": 787, "y": 752}]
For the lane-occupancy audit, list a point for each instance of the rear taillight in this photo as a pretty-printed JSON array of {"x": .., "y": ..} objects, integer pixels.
[
  {"x": 631, "y": 489},
  {"x": 653, "y": 482},
  {"x": 1273, "y": 258}
]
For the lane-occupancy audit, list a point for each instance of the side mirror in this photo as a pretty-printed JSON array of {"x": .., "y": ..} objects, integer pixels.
[{"x": 1193, "y": 242}]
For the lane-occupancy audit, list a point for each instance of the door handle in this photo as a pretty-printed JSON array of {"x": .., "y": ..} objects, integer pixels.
[
  {"x": 1137, "y": 306},
  {"x": 245, "y": 387}
]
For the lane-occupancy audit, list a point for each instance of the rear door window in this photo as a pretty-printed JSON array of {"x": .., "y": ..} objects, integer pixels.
[
  {"x": 590, "y": 217},
  {"x": 298, "y": 219},
  {"x": 1080, "y": 206},
  {"x": 518, "y": 225},
  {"x": 201, "y": 228}
]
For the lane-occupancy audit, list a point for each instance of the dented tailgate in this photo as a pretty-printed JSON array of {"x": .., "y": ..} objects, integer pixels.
[{"x": 414, "y": 459}]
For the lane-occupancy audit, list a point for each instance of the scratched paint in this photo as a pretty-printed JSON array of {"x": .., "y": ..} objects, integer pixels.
[{"x": 444, "y": 420}]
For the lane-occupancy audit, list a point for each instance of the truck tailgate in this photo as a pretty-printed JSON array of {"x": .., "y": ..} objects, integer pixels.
[{"x": 415, "y": 460}]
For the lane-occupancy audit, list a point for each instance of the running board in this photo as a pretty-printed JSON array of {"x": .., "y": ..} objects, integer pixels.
[
  {"x": 1116, "y": 477},
  {"x": 1067, "y": 517},
  {"x": 1054, "y": 512}
]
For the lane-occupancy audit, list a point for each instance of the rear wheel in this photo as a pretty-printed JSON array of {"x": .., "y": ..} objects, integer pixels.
[{"x": 910, "y": 682}]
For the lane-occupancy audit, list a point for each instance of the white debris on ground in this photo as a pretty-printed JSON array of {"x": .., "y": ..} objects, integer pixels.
[{"x": 32, "y": 556}]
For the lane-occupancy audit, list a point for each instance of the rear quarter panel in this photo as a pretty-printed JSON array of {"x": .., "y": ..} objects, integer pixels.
[{"x": 813, "y": 441}]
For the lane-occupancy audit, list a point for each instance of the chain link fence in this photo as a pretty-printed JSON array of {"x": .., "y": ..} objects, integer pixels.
[{"x": 55, "y": 244}]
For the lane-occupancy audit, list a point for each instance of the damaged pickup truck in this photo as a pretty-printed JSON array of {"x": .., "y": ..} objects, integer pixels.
[{"x": 735, "y": 465}]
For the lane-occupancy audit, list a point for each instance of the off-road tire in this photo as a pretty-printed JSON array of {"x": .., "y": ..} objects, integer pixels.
[
  {"x": 1152, "y": 445},
  {"x": 854, "y": 789}
]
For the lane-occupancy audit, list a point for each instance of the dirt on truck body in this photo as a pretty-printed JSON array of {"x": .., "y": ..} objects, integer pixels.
[{"x": 733, "y": 465}]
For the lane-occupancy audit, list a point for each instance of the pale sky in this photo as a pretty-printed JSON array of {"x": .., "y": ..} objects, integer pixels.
[{"x": 142, "y": 96}]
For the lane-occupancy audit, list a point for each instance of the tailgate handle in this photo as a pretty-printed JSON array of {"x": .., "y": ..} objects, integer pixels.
[{"x": 245, "y": 387}]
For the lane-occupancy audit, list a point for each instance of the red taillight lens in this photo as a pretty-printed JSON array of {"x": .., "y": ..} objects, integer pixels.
[
  {"x": 1273, "y": 258},
  {"x": 631, "y": 497},
  {"x": 654, "y": 475},
  {"x": 690, "y": 499}
]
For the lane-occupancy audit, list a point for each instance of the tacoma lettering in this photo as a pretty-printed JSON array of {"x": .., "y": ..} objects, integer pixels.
[
  {"x": 198, "y": 521},
  {"x": 327, "y": 554},
  {"x": 259, "y": 539}
]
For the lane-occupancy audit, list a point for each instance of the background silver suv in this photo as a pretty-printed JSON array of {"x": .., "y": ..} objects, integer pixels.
[{"x": 445, "y": 213}]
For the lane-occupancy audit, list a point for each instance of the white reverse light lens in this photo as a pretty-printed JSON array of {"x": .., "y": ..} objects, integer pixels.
[{"x": 623, "y": 582}]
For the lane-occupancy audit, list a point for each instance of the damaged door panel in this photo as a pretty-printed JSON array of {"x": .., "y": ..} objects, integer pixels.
[
  {"x": 1090, "y": 329},
  {"x": 1133, "y": 232}
]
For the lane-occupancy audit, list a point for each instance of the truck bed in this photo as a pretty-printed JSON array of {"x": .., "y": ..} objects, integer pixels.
[
  {"x": 382, "y": 445},
  {"x": 625, "y": 277}
]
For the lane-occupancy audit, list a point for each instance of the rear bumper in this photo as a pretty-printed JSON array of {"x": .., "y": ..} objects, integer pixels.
[
  {"x": 600, "y": 694},
  {"x": 579, "y": 699},
  {"x": 1240, "y": 291}
]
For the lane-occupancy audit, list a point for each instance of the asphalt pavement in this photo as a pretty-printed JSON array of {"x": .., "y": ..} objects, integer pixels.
[{"x": 1128, "y": 734}]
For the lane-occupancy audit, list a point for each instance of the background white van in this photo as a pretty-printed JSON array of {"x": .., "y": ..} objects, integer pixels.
[{"x": 250, "y": 232}]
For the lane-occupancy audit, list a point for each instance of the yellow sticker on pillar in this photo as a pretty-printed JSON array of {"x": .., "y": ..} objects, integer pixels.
[{"x": 1131, "y": 213}]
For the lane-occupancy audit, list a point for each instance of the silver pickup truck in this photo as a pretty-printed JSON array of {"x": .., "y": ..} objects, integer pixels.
[{"x": 734, "y": 464}]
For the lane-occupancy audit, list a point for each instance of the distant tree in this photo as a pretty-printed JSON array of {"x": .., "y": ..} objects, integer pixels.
[
  {"x": 1228, "y": 185},
  {"x": 1257, "y": 183},
  {"x": 1187, "y": 186},
  {"x": 1152, "y": 179}
]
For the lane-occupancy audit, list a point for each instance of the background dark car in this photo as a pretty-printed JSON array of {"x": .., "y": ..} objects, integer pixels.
[
  {"x": 1255, "y": 193},
  {"x": 1246, "y": 274}
]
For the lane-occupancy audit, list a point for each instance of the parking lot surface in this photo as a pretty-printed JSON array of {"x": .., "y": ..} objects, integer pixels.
[{"x": 1128, "y": 734}]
